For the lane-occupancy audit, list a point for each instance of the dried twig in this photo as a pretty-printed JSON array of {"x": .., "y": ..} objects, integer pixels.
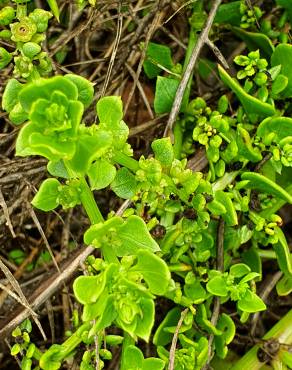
[
  {"x": 174, "y": 339},
  {"x": 189, "y": 70}
]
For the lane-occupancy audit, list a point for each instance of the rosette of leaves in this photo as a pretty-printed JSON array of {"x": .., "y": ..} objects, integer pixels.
[
  {"x": 118, "y": 293},
  {"x": 54, "y": 113}
]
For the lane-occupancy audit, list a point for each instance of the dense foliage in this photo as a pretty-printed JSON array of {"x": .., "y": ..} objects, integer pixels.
[{"x": 196, "y": 239}]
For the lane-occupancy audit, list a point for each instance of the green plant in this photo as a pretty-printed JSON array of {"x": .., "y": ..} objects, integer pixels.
[{"x": 196, "y": 239}]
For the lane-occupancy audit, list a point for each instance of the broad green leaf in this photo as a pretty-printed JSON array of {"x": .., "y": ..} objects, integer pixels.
[
  {"x": 87, "y": 289},
  {"x": 85, "y": 88},
  {"x": 163, "y": 151},
  {"x": 108, "y": 315},
  {"x": 229, "y": 13},
  {"x": 252, "y": 258},
  {"x": 97, "y": 234},
  {"x": 44, "y": 88},
  {"x": 275, "y": 129},
  {"x": 110, "y": 111},
  {"x": 250, "y": 104},
  {"x": 202, "y": 319},
  {"x": 279, "y": 84},
  {"x": 153, "y": 364},
  {"x": 283, "y": 253},
  {"x": 23, "y": 147},
  {"x": 217, "y": 286},
  {"x": 101, "y": 173},
  {"x": 17, "y": 115},
  {"x": 154, "y": 270},
  {"x": 134, "y": 235},
  {"x": 146, "y": 321},
  {"x": 283, "y": 56},
  {"x": 286, "y": 357},
  {"x": 124, "y": 184},
  {"x": 265, "y": 185},
  {"x": 230, "y": 217},
  {"x": 227, "y": 326},
  {"x": 239, "y": 270},
  {"x": 132, "y": 359},
  {"x": 10, "y": 95},
  {"x": 284, "y": 286},
  {"x": 46, "y": 198},
  {"x": 195, "y": 292},
  {"x": 157, "y": 54},
  {"x": 251, "y": 303},
  {"x": 249, "y": 277},
  {"x": 58, "y": 169},
  {"x": 54, "y": 8},
  {"x": 90, "y": 147},
  {"x": 162, "y": 337},
  {"x": 164, "y": 94},
  {"x": 255, "y": 41},
  {"x": 244, "y": 144}
]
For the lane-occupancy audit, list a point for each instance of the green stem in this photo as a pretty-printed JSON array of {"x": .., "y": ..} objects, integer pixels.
[
  {"x": 89, "y": 203},
  {"x": 178, "y": 139},
  {"x": 267, "y": 254},
  {"x": 282, "y": 331},
  {"x": 128, "y": 341},
  {"x": 126, "y": 161}
]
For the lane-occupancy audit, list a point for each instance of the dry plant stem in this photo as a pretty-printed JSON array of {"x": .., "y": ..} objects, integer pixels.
[
  {"x": 217, "y": 53},
  {"x": 6, "y": 214},
  {"x": 47, "y": 289},
  {"x": 174, "y": 340},
  {"x": 189, "y": 70},
  {"x": 157, "y": 18},
  {"x": 115, "y": 49},
  {"x": 219, "y": 267},
  {"x": 21, "y": 296}
]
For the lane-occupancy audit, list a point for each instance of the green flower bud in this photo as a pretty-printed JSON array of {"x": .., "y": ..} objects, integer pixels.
[
  {"x": 260, "y": 78},
  {"x": 105, "y": 354},
  {"x": 40, "y": 17},
  {"x": 31, "y": 49},
  {"x": 23, "y": 66},
  {"x": 223, "y": 104},
  {"x": 24, "y": 30},
  {"x": 7, "y": 15}
]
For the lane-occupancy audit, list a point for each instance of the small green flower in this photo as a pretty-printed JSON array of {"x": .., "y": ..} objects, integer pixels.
[
  {"x": 23, "y": 66},
  {"x": 24, "y": 30}
]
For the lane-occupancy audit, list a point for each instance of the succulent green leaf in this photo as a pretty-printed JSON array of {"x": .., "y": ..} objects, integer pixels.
[
  {"x": 44, "y": 88},
  {"x": 153, "y": 364},
  {"x": 282, "y": 56},
  {"x": 157, "y": 54},
  {"x": 10, "y": 95},
  {"x": 46, "y": 198},
  {"x": 251, "y": 303},
  {"x": 163, "y": 151},
  {"x": 124, "y": 184},
  {"x": 283, "y": 254},
  {"x": 245, "y": 148},
  {"x": 162, "y": 337},
  {"x": 58, "y": 169},
  {"x": 265, "y": 185},
  {"x": 250, "y": 104},
  {"x": 239, "y": 270},
  {"x": 101, "y": 174},
  {"x": 110, "y": 111},
  {"x": 133, "y": 358},
  {"x": 229, "y": 13},
  {"x": 90, "y": 147},
  {"x": 87, "y": 289},
  {"x": 134, "y": 235},
  {"x": 255, "y": 41},
  {"x": 227, "y": 326},
  {"x": 252, "y": 258},
  {"x": 108, "y": 315},
  {"x": 284, "y": 286},
  {"x": 146, "y": 321},
  {"x": 164, "y": 94},
  {"x": 84, "y": 87},
  {"x": 217, "y": 286},
  {"x": 275, "y": 129},
  {"x": 95, "y": 234},
  {"x": 230, "y": 217},
  {"x": 154, "y": 270}
]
